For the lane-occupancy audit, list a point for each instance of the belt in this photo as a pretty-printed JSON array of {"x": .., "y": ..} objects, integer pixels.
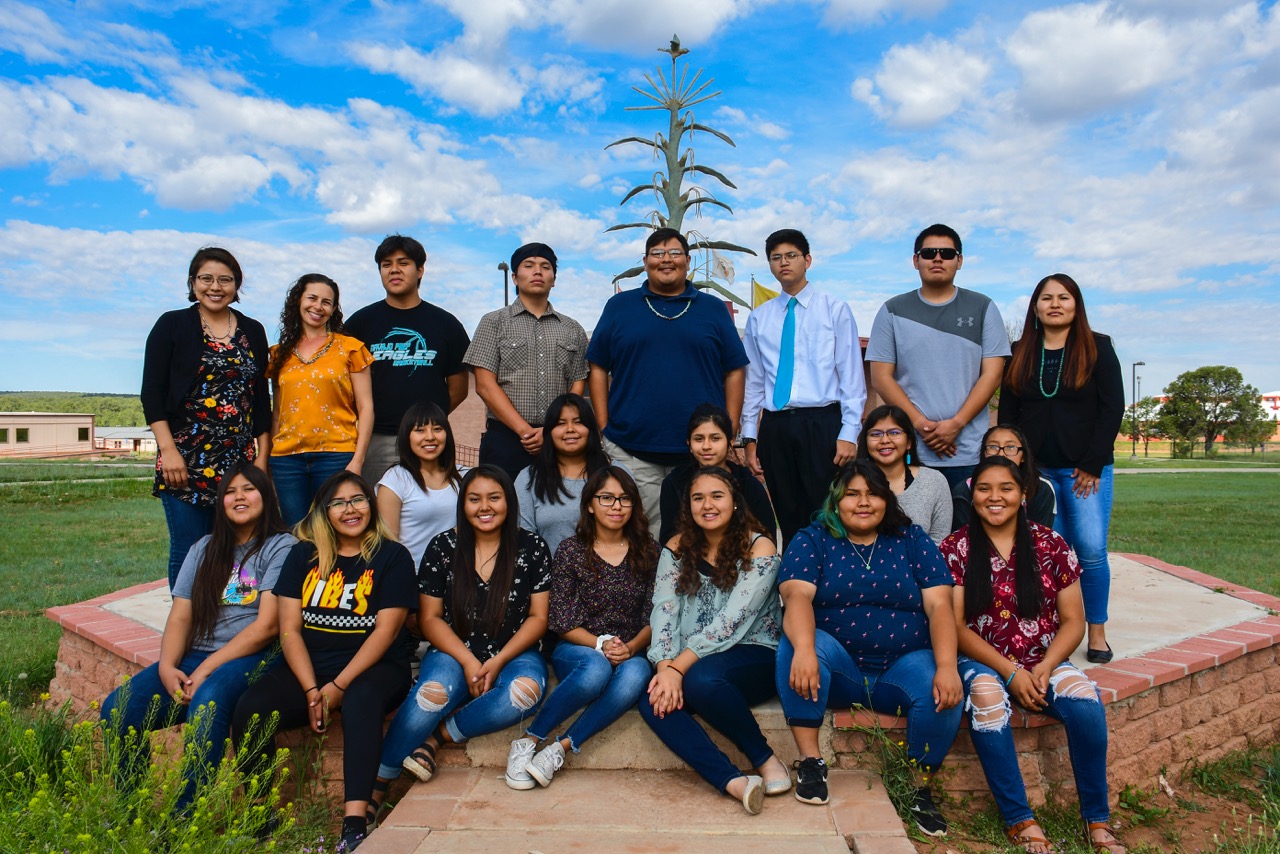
[{"x": 801, "y": 410}]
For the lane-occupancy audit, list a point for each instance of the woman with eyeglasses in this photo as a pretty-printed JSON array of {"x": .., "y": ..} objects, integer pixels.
[
  {"x": 889, "y": 441},
  {"x": 343, "y": 595},
  {"x": 322, "y": 406},
  {"x": 1019, "y": 616},
  {"x": 601, "y": 590},
  {"x": 205, "y": 398},
  {"x": 1064, "y": 389},
  {"x": 219, "y": 636},
  {"x": 484, "y": 588},
  {"x": 715, "y": 624},
  {"x": 550, "y": 488},
  {"x": 1008, "y": 441},
  {"x": 709, "y": 433}
]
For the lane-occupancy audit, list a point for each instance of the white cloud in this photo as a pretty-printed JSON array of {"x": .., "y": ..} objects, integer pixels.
[
  {"x": 848, "y": 13},
  {"x": 1080, "y": 59},
  {"x": 754, "y": 123},
  {"x": 642, "y": 27},
  {"x": 920, "y": 85},
  {"x": 445, "y": 74}
]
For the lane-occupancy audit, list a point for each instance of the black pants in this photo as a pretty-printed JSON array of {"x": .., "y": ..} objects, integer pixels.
[
  {"x": 797, "y": 448},
  {"x": 370, "y": 697},
  {"x": 500, "y": 446}
]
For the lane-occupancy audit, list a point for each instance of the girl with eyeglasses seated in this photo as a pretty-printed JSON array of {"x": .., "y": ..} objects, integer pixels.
[
  {"x": 484, "y": 587},
  {"x": 889, "y": 441},
  {"x": 715, "y": 625},
  {"x": 343, "y": 595},
  {"x": 1007, "y": 440},
  {"x": 220, "y": 634},
  {"x": 709, "y": 432},
  {"x": 550, "y": 488},
  {"x": 601, "y": 590},
  {"x": 1020, "y": 614}
]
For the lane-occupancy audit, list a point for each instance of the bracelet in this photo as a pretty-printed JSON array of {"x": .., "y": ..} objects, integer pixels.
[
  {"x": 334, "y": 683},
  {"x": 676, "y": 669},
  {"x": 601, "y": 641},
  {"x": 312, "y": 688},
  {"x": 1016, "y": 667}
]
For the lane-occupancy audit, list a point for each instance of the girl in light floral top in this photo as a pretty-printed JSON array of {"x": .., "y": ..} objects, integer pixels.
[{"x": 716, "y": 623}]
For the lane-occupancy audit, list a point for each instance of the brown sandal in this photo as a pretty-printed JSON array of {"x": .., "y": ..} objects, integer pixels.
[
  {"x": 1112, "y": 846},
  {"x": 1025, "y": 840}
]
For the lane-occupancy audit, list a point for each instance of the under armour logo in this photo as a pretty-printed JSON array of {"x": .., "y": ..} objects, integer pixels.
[{"x": 960, "y": 321}]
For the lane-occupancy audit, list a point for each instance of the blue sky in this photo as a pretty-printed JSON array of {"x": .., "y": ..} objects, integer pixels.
[{"x": 1129, "y": 144}]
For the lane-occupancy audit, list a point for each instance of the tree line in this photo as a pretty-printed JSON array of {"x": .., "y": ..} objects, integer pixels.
[
  {"x": 1199, "y": 408},
  {"x": 112, "y": 410}
]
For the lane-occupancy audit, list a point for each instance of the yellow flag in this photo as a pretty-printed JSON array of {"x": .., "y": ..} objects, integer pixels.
[{"x": 760, "y": 294}]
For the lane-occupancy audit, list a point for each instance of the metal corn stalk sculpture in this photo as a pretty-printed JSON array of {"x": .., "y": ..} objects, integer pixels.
[{"x": 678, "y": 96}]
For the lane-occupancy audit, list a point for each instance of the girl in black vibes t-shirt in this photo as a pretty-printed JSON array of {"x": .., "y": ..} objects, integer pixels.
[
  {"x": 344, "y": 593},
  {"x": 485, "y": 592}
]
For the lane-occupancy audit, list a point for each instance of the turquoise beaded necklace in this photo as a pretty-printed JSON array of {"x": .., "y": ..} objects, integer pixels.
[{"x": 1057, "y": 382}]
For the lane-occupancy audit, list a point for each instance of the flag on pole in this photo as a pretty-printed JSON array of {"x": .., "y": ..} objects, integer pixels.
[
  {"x": 721, "y": 267},
  {"x": 760, "y": 294}
]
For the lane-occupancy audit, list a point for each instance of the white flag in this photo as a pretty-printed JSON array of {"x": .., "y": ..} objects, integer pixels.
[{"x": 721, "y": 267}]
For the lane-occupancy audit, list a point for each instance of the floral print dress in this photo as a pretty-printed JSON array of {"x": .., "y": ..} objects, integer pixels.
[{"x": 216, "y": 434}]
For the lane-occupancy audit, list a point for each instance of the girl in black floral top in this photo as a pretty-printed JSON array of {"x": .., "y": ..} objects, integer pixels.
[
  {"x": 484, "y": 589},
  {"x": 601, "y": 590},
  {"x": 204, "y": 395}
]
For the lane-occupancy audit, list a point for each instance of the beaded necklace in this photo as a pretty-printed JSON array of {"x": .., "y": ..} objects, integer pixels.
[
  {"x": 1057, "y": 381},
  {"x": 316, "y": 355},
  {"x": 665, "y": 317}
]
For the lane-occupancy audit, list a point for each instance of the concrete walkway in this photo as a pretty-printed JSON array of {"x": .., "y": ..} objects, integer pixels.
[{"x": 466, "y": 810}]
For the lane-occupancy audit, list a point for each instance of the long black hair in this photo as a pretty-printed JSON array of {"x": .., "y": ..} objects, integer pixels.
[
  {"x": 427, "y": 414},
  {"x": 1026, "y": 568},
  {"x": 709, "y": 413},
  {"x": 894, "y": 522},
  {"x": 462, "y": 593},
  {"x": 641, "y": 549},
  {"x": 219, "y": 556},
  {"x": 548, "y": 485}
]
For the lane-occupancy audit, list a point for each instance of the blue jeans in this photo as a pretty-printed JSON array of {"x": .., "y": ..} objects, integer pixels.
[
  {"x": 503, "y": 705},
  {"x": 587, "y": 679},
  {"x": 145, "y": 705},
  {"x": 1086, "y": 724},
  {"x": 1084, "y": 523},
  {"x": 298, "y": 477},
  {"x": 721, "y": 689},
  {"x": 905, "y": 688},
  {"x": 187, "y": 523}
]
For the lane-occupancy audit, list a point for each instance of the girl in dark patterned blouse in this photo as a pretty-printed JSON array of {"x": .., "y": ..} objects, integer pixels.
[
  {"x": 601, "y": 591},
  {"x": 868, "y": 621},
  {"x": 1020, "y": 614},
  {"x": 483, "y": 607}
]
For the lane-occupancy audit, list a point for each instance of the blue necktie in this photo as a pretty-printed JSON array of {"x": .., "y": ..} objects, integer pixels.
[{"x": 786, "y": 358}]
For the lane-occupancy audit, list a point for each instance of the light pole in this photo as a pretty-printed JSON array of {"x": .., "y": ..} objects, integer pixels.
[
  {"x": 1133, "y": 414},
  {"x": 506, "y": 282}
]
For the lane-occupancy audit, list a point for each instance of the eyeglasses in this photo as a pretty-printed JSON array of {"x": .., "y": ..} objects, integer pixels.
[
  {"x": 659, "y": 254},
  {"x": 206, "y": 279},
  {"x": 356, "y": 501},
  {"x": 892, "y": 433},
  {"x": 607, "y": 500},
  {"x": 1008, "y": 450},
  {"x": 790, "y": 256},
  {"x": 930, "y": 254}
]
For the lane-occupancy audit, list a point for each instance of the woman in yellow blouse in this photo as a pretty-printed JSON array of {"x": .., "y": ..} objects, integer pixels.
[{"x": 322, "y": 416}]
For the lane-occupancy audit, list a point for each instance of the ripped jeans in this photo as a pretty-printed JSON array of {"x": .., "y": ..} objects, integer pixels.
[
  {"x": 1072, "y": 699},
  {"x": 440, "y": 694}
]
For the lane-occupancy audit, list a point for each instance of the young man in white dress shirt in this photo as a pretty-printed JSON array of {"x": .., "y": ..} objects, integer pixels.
[{"x": 805, "y": 388}]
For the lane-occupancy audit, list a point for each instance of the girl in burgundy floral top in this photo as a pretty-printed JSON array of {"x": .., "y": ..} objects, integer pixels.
[
  {"x": 601, "y": 590},
  {"x": 1019, "y": 615}
]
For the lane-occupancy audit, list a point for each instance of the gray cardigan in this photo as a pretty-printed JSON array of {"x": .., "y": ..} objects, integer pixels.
[{"x": 928, "y": 502}]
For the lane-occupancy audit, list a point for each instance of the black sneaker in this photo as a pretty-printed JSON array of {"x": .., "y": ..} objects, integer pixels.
[
  {"x": 354, "y": 832},
  {"x": 928, "y": 818},
  {"x": 811, "y": 780}
]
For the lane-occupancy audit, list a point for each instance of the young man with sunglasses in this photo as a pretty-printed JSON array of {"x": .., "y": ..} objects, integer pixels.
[{"x": 938, "y": 353}]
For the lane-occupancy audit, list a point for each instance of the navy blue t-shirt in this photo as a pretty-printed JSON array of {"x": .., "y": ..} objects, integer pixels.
[
  {"x": 660, "y": 370},
  {"x": 876, "y": 614}
]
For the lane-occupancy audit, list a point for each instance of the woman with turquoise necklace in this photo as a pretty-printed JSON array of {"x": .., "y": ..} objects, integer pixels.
[{"x": 1063, "y": 388}]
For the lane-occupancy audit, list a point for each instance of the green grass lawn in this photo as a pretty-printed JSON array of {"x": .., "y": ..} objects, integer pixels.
[{"x": 1227, "y": 525}]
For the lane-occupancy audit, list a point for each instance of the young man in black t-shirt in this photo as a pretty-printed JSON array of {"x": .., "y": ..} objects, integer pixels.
[{"x": 417, "y": 349}]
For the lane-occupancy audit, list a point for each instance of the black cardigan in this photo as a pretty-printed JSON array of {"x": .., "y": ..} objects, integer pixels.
[
  {"x": 1084, "y": 421},
  {"x": 172, "y": 358}
]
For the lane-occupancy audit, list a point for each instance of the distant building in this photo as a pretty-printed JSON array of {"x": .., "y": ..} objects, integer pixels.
[
  {"x": 137, "y": 440},
  {"x": 45, "y": 434}
]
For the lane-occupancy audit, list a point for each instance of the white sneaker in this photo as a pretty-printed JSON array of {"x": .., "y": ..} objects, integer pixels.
[
  {"x": 522, "y": 750},
  {"x": 544, "y": 766}
]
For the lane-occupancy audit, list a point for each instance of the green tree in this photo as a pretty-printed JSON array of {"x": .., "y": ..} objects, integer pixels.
[
  {"x": 1252, "y": 429},
  {"x": 1142, "y": 422},
  {"x": 1202, "y": 404}
]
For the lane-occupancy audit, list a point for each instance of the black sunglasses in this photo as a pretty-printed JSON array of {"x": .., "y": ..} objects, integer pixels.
[{"x": 930, "y": 254}]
